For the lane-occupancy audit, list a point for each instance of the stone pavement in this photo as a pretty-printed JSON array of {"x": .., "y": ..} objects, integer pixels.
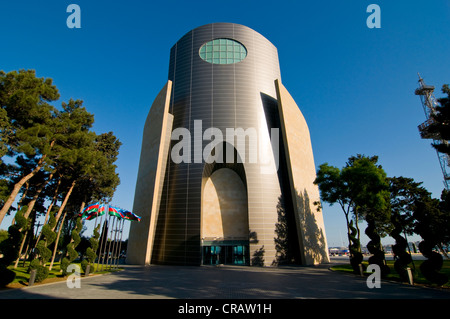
[{"x": 225, "y": 282}]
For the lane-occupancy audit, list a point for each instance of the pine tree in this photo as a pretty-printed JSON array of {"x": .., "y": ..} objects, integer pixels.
[{"x": 25, "y": 98}]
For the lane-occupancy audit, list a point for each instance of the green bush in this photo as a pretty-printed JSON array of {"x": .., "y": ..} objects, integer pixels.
[
  {"x": 10, "y": 247},
  {"x": 72, "y": 253},
  {"x": 90, "y": 251},
  {"x": 43, "y": 253}
]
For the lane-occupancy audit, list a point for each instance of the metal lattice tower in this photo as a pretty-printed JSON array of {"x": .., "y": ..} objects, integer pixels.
[{"x": 426, "y": 93}]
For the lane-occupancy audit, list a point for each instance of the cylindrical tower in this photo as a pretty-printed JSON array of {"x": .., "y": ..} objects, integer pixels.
[
  {"x": 220, "y": 75},
  {"x": 226, "y": 170}
]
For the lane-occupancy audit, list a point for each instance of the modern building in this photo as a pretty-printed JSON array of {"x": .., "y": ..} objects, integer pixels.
[{"x": 226, "y": 169}]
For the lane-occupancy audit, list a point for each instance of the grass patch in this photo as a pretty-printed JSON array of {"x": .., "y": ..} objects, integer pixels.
[
  {"x": 23, "y": 276},
  {"x": 394, "y": 276}
]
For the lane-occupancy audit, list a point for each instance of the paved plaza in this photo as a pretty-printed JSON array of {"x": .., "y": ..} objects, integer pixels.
[{"x": 225, "y": 282}]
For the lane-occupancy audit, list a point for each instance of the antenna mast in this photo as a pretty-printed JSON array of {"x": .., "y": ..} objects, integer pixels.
[{"x": 429, "y": 106}]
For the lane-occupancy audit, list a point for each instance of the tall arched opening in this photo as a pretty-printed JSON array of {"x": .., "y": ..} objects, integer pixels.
[{"x": 224, "y": 221}]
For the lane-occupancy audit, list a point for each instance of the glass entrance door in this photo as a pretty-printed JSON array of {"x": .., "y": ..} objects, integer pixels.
[{"x": 225, "y": 254}]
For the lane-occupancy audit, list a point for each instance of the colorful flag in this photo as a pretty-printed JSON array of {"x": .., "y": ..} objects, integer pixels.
[
  {"x": 114, "y": 211},
  {"x": 98, "y": 213},
  {"x": 131, "y": 216},
  {"x": 93, "y": 211},
  {"x": 90, "y": 209}
]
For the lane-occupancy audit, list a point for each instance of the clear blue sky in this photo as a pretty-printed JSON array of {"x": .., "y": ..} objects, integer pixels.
[{"x": 354, "y": 85}]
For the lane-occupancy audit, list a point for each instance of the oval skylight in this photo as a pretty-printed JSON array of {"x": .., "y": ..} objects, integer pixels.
[{"x": 223, "y": 51}]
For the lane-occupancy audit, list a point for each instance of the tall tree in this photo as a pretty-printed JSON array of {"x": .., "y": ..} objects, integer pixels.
[
  {"x": 26, "y": 98},
  {"x": 101, "y": 181},
  {"x": 57, "y": 155},
  {"x": 335, "y": 189},
  {"x": 405, "y": 192},
  {"x": 74, "y": 146},
  {"x": 370, "y": 191},
  {"x": 360, "y": 189}
]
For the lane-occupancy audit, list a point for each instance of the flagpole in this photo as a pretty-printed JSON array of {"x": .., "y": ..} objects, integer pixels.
[
  {"x": 89, "y": 213},
  {"x": 113, "y": 250},
  {"x": 121, "y": 237},
  {"x": 116, "y": 243},
  {"x": 109, "y": 244},
  {"x": 99, "y": 248},
  {"x": 95, "y": 224},
  {"x": 93, "y": 235},
  {"x": 120, "y": 243},
  {"x": 106, "y": 243}
]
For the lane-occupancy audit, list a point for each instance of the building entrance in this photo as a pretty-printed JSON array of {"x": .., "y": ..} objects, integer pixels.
[{"x": 227, "y": 254}]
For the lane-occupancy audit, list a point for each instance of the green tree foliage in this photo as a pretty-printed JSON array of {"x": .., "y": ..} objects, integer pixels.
[
  {"x": 335, "y": 189},
  {"x": 370, "y": 190},
  {"x": 444, "y": 207},
  {"x": 9, "y": 248},
  {"x": 441, "y": 121},
  {"x": 428, "y": 224},
  {"x": 71, "y": 252},
  {"x": 28, "y": 119},
  {"x": 354, "y": 247},
  {"x": 5, "y": 133},
  {"x": 57, "y": 156},
  {"x": 405, "y": 192},
  {"x": 361, "y": 189},
  {"x": 43, "y": 253},
  {"x": 91, "y": 251},
  {"x": 3, "y": 235}
]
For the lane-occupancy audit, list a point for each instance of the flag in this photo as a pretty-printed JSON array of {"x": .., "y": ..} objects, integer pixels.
[
  {"x": 131, "y": 216},
  {"x": 114, "y": 211},
  {"x": 93, "y": 211},
  {"x": 100, "y": 212}
]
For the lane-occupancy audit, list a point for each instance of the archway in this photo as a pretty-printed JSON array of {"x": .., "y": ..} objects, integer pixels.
[{"x": 224, "y": 225}]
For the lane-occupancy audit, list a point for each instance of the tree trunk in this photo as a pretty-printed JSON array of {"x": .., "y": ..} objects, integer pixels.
[
  {"x": 29, "y": 209},
  {"x": 25, "y": 236},
  {"x": 19, "y": 204},
  {"x": 348, "y": 232},
  {"x": 55, "y": 249},
  {"x": 442, "y": 250},
  {"x": 83, "y": 204},
  {"x": 53, "y": 202},
  {"x": 49, "y": 209},
  {"x": 18, "y": 186},
  {"x": 63, "y": 205},
  {"x": 36, "y": 196},
  {"x": 357, "y": 228}
]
